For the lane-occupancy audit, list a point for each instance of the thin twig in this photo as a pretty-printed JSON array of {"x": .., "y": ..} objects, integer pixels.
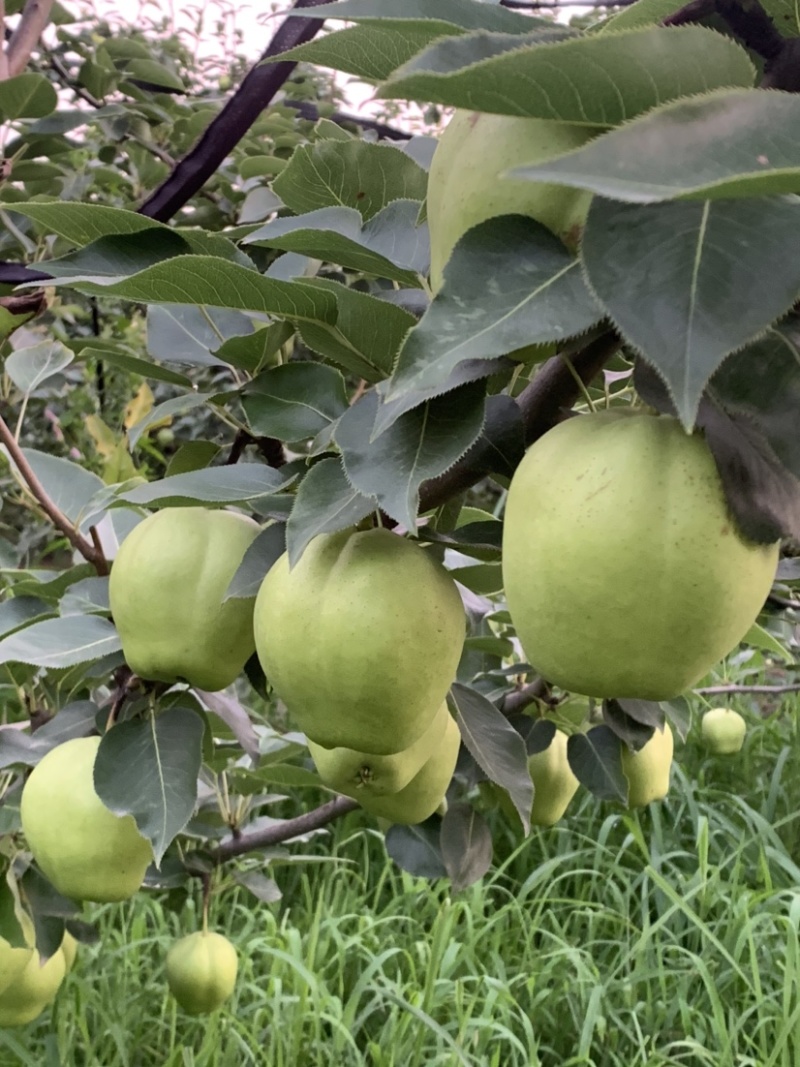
[
  {"x": 38, "y": 491},
  {"x": 285, "y": 831},
  {"x": 719, "y": 690},
  {"x": 3, "y": 56},
  {"x": 35, "y": 16}
]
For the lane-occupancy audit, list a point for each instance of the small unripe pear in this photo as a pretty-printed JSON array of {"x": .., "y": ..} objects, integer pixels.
[
  {"x": 723, "y": 731},
  {"x": 201, "y": 971}
]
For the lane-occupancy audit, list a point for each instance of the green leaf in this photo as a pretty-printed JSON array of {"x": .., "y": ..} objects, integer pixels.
[
  {"x": 147, "y": 70},
  {"x": 758, "y": 637},
  {"x": 59, "y": 643},
  {"x": 326, "y": 502},
  {"x": 596, "y": 762},
  {"x": 464, "y": 14},
  {"x": 509, "y": 283},
  {"x": 183, "y": 333},
  {"x": 256, "y": 350},
  {"x": 213, "y": 485},
  {"x": 495, "y": 746},
  {"x": 29, "y": 367},
  {"x": 19, "y": 611},
  {"x": 294, "y": 401},
  {"x": 370, "y": 51},
  {"x": 688, "y": 283},
  {"x": 417, "y": 849},
  {"x": 357, "y": 174},
  {"x": 117, "y": 356},
  {"x": 208, "y": 280},
  {"x": 82, "y": 223},
  {"x": 28, "y": 96},
  {"x": 591, "y": 80},
  {"x": 192, "y": 456},
  {"x": 68, "y": 485},
  {"x": 466, "y": 845},
  {"x": 264, "y": 551},
  {"x": 366, "y": 335},
  {"x": 86, "y": 597},
  {"x": 178, "y": 405},
  {"x": 117, "y": 256},
  {"x": 148, "y": 768},
  {"x": 731, "y": 143},
  {"x": 642, "y": 13},
  {"x": 421, "y": 444},
  {"x": 391, "y": 245},
  {"x": 761, "y": 383}
]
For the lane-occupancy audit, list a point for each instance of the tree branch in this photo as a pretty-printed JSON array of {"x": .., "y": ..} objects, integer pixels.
[
  {"x": 311, "y": 112},
  {"x": 259, "y": 87},
  {"x": 90, "y": 553},
  {"x": 285, "y": 831},
  {"x": 542, "y": 404},
  {"x": 35, "y": 16},
  {"x": 720, "y": 690}
]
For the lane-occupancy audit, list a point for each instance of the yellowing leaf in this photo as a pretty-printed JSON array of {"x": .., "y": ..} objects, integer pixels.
[{"x": 141, "y": 405}]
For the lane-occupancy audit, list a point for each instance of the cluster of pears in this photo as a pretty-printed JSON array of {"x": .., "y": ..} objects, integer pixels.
[
  {"x": 360, "y": 640},
  {"x": 28, "y": 984}
]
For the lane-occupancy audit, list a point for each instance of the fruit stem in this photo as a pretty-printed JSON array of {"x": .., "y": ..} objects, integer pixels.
[{"x": 579, "y": 381}]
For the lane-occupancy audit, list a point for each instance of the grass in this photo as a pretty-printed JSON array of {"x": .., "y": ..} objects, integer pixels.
[{"x": 665, "y": 937}]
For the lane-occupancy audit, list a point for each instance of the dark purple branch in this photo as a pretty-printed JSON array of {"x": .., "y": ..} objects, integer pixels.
[
  {"x": 341, "y": 118},
  {"x": 257, "y": 90}
]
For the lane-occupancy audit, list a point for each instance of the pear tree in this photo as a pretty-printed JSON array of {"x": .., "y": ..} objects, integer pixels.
[{"x": 418, "y": 474}]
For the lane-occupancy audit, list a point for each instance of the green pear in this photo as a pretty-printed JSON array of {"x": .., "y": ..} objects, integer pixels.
[
  {"x": 69, "y": 946},
  {"x": 86, "y": 851},
  {"x": 361, "y": 639},
  {"x": 32, "y": 990},
  {"x": 624, "y": 572},
  {"x": 553, "y": 781},
  {"x": 468, "y": 184},
  {"x": 425, "y": 792},
  {"x": 167, "y": 590},
  {"x": 201, "y": 971},
  {"x": 723, "y": 731},
  {"x": 14, "y": 960},
  {"x": 360, "y": 774},
  {"x": 647, "y": 770}
]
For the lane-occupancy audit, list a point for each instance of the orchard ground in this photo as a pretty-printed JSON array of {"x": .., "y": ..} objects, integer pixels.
[{"x": 662, "y": 937}]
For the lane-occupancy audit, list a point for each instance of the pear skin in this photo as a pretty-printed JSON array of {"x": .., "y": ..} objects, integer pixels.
[
  {"x": 425, "y": 792},
  {"x": 723, "y": 731},
  {"x": 361, "y": 639},
  {"x": 553, "y": 781},
  {"x": 32, "y": 990},
  {"x": 647, "y": 770},
  {"x": 360, "y": 774},
  {"x": 201, "y": 971}
]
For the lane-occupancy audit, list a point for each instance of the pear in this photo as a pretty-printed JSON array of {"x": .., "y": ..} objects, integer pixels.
[
  {"x": 14, "y": 960},
  {"x": 624, "y": 572},
  {"x": 553, "y": 781},
  {"x": 425, "y": 792},
  {"x": 723, "y": 731},
  {"x": 647, "y": 770},
  {"x": 360, "y": 774},
  {"x": 167, "y": 594},
  {"x": 69, "y": 946},
  {"x": 201, "y": 971},
  {"x": 469, "y": 182},
  {"x": 86, "y": 851},
  {"x": 32, "y": 990},
  {"x": 360, "y": 639}
]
